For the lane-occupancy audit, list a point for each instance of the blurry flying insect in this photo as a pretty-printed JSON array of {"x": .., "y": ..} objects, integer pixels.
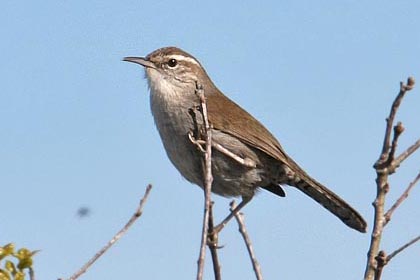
[{"x": 83, "y": 212}]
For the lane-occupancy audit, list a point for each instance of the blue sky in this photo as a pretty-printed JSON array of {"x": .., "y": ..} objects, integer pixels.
[{"x": 76, "y": 130}]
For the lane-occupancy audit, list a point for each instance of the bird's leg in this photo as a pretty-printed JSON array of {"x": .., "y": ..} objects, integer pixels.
[
  {"x": 197, "y": 142},
  {"x": 244, "y": 161},
  {"x": 219, "y": 227}
]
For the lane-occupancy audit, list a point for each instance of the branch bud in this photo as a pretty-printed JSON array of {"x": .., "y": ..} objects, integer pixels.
[
  {"x": 398, "y": 129},
  {"x": 410, "y": 83}
]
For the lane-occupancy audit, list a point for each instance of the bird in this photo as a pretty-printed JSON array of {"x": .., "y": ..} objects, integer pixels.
[{"x": 245, "y": 155}]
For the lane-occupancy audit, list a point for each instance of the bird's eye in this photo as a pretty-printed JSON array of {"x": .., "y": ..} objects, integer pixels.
[{"x": 172, "y": 63}]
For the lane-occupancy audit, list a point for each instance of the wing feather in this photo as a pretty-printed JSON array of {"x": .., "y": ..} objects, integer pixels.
[{"x": 224, "y": 116}]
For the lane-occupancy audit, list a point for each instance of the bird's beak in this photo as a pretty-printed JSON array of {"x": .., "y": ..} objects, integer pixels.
[{"x": 140, "y": 60}]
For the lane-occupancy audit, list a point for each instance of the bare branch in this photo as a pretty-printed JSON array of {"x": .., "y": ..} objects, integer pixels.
[
  {"x": 213, "y": 241},
  {"x": 382, "y": 259},
  {"x": 406, "y": 153},
  {"x": 384, "y": 166},
  {"x": 208, "y": 180},
  {"x": 390, "y": 120},
  {"x": 31, "y": 273},
  {"x": 399, "y": 250},
  {"x": 400, "y": 200},
  {"x": 136, "y": 215},
  {"x": 398, "y": 130},
  {"x": 242, "y": 229}
]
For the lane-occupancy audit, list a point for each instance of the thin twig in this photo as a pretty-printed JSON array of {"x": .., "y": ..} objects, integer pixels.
[
  {"x": 208, "y": 179},
  {"x": 31, "y": 273},
  {"x": 213, "y": 241},
  {"x": 242, "y": 229},
  {"x": 394, "y": 108},
  {"x": 136, "y": 215},
  {"x": 382, "y": 259},
  {"x": 406, "y": 153},
  {"x": 399, "y": 250},
  {"x": 400, "y": 200},
  {"x": 398, "y": 130}
]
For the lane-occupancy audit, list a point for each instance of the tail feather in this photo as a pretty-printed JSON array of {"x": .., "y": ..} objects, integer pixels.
[{"x": 331, "y": 202}]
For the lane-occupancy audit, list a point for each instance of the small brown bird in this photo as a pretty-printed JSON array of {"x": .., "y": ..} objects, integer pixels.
[{"x": 245, "y": 155}]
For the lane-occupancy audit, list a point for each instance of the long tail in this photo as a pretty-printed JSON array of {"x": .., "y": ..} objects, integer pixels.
[{"x": 330, "y": 201}]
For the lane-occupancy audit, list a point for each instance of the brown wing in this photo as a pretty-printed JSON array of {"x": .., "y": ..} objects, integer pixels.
[
  {"x": 225, "y": 117},
  {"x": 232, "y": 119}
]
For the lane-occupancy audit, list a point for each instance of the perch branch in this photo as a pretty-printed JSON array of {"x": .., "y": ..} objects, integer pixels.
[
  {"x": 208, "y": 179},
  {"x": 213, "y": 240}
]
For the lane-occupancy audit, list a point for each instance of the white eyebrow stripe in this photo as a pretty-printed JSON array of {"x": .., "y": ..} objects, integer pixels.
[{"x": 184, "y": 58}]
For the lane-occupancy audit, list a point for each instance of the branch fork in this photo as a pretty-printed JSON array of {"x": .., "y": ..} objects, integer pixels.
[{"x": 386, "y": 165}]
